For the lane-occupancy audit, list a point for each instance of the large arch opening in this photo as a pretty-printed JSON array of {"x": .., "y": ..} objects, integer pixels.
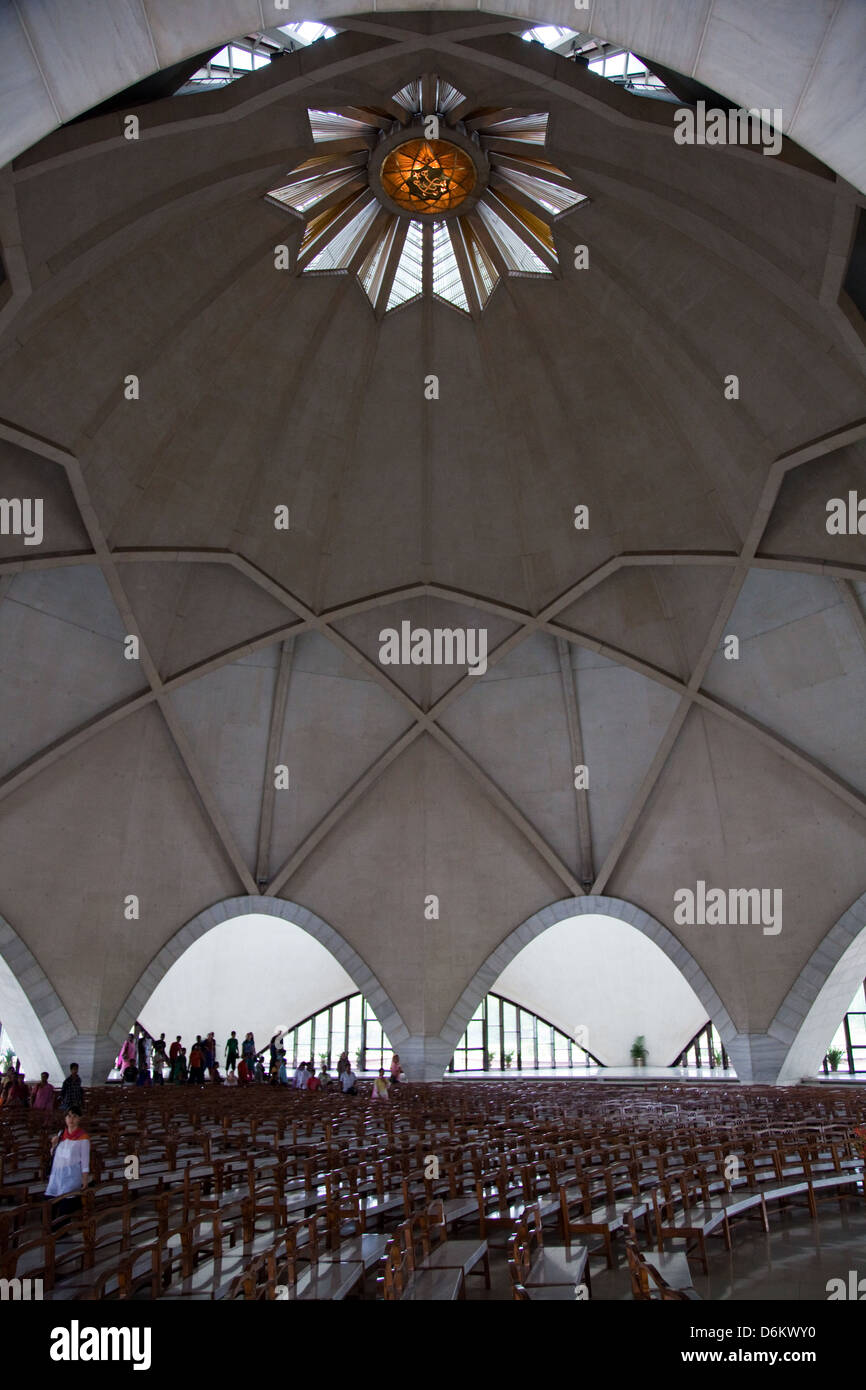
[
  {"x": 251, "y": 973},
  {"x": 826, "y": 990},
  {"x": 604, "y": 974},
  {"x": 253, "y": 964}
]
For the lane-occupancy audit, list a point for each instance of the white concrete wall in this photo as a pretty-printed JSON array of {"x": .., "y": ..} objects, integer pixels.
[
  {"x": 25, "y": 1031},
  {"x": 607, "y": 976},
  {"x": 252, "y": 972}
]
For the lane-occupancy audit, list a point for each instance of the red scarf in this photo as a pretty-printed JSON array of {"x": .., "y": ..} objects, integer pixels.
[{"x": 75, "y": 1134}]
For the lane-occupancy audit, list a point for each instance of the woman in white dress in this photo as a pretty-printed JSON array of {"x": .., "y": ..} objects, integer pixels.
[{"x": 70, "y": 1168}]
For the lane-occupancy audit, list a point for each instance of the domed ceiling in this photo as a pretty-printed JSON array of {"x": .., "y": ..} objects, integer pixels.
[{"x": 609, "y": 472}]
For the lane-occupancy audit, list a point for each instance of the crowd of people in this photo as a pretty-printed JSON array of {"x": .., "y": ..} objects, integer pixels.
[
  {"x": 145, "y": 1061},
  {"x": 16, "y": 1092}
]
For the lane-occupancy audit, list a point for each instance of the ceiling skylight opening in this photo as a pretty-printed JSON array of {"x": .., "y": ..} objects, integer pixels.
[
  {"x": 250, "y": 52},
  {"x": 553, "y": 197},
  {"x": 551, "y": 35},
  {"x": 606, "y": 59},
  {"x": 372, "y": 272},
  {"x": 409, "y": 276},
  {"x": 529, "y": 130},
  {"x": 332, "y": 125},
  {"x": 445, "y": 217},
  {"x": 307, "y": 32},
  {"x": 341, "y": 250},
  {"x": 319, "y": 184},
  {"x": 624, "y": 68},
  {"x": 447, "y": 280},
  {"x": 518, "y": 257},
  {"x": 485, "y": 276}
]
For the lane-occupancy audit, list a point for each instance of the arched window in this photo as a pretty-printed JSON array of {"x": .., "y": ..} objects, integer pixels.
[
  {"x": 849, "y": 1045},
  {"x": 347, "y": 1025},
  {"x": 706, "y": 1049},
  {"x": 502, "y": 1036}
]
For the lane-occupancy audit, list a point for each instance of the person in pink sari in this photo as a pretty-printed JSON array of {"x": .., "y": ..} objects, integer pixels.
[
  {"x": 43, "y": 1095},
  {"x": 126, "y": 1055}
]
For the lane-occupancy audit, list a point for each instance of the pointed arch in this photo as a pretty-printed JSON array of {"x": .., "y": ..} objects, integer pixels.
[
  {"x": 30, "y": 1007},
  {"x": 486, "y": 975},
  {"x": 368, "y": 984}
]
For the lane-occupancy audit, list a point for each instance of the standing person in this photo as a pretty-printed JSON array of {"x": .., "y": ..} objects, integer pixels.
[
  {"x": 43, "y": 1095},
  {"x": 233, "y": 1048},
  {"x": 207, "y": 1054},
  {"x": 396, "y": 1069},
  {"x": 72, "y": 1091},
  {"x": 182, "y": 1075},
  {"x": 145, "y": 1058},
  {"x": 343, "y": 1064},
  {"x": 244, "y": 1077},
  {"x": 301, "y": 1076},
  {"x": 159, "y": 1059},
  {"x": 349, "y": 1082},
  {"x": 380, "y": 1086},
  {"x": 126, "y": 1055},
  {"x": 196, "y": 1064},
  {"x": 249, "y": 1051},
  {"x": 70, "y": 1167}
]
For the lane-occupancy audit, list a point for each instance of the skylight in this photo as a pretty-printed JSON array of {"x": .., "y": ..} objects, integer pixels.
[
  {"x": 409, "y": 276},
  {"x": 251, "y": 52},
  {"x": 449, "y": 216},
  {"x": 606, "y": 59},
  {"x": 447, "y": 280},
  {"x": 340, "y": 250}
]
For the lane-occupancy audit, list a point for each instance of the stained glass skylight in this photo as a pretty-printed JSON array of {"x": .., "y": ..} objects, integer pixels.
[
  {"x": 428, "y": 175},
  {"x": 477, "y": 197}
]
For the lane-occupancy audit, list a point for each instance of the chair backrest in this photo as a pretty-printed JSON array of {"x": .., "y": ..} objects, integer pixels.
[
  {"x": 518, "y": 1291},
  {"x": 395, "y": 1270},
  {"x": 638, "y": 1272}
]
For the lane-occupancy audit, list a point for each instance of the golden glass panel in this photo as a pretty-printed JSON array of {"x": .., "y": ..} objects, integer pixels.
[{"x": 428, "y": 175}]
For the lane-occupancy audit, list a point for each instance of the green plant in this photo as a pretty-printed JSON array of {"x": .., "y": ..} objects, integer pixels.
[
  {"x": 507, "y": 1059},
  {"x": 8, "y": 1059},
  {"x": 834, "y": 1057},
  {"x": 639, "y": 1049},
  {"x": 488, "y": 1060},
  {"x": 323, "y": 1059},
  {"x": 717, "y": 1058}
]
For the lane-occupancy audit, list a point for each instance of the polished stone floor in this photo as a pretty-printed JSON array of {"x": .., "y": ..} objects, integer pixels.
[{"x": 792, "y": 1264}]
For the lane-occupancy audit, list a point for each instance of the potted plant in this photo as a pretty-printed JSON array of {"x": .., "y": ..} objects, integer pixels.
[
  {"x": 507, "y": 1059},
  {"x": 834, "y": 1057},
  {"x": 639, "y": 1051},
  {"x": 717, "y": 1059},
  {"x": 488, "y": 1061},
  {"x": 359, "y": 1058},
  {"x": 8, "y": 1059}
]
